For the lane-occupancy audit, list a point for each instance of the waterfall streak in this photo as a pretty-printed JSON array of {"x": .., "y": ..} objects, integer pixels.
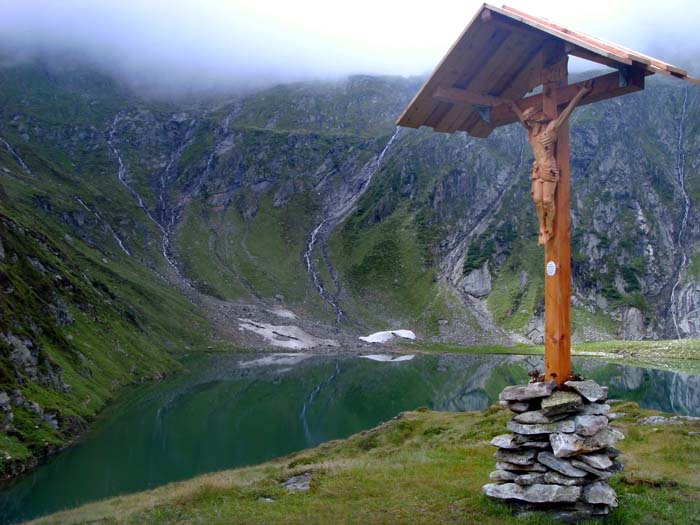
[
  {"x": 106, "y": 224},
  {"x": 336, "y": 216},
  {"x": 16, "y": 156},
  {"x": 680, "y": 170},
  {"x": 121, "y": 174}
]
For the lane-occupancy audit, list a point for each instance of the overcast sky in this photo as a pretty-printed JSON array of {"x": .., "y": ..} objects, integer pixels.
[{"x": 200, "y": 43}]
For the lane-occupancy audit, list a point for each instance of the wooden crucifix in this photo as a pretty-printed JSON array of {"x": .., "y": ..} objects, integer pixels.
[{"x": 483, "y": 82}]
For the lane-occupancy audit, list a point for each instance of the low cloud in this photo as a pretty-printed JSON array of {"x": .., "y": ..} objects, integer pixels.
[{"x": 205, "y": 44}]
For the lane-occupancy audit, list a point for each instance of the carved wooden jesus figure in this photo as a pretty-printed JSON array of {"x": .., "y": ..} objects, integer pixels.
[{"x": 542, "y": 135}]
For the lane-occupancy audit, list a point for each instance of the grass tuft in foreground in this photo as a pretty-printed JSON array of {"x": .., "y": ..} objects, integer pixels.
[{"x": 423, "y": 467}]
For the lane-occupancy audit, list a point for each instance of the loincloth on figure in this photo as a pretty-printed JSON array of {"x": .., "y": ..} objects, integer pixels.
[{"x": 546, "y": 174}]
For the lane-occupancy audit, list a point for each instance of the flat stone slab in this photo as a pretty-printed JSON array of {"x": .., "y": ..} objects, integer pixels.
[
  {"x": 536, "y": 417},
  {"x": 527, "y": 392},
  {"x": 515, "y": 406},
  {"x": 661, "y": 420},
  {"x": 560, "y": 479},
  {"x": 538, "y": 493},
  {"x": 599, "y": 473},
  {"x": 540, "y": 445},
  {"x": 595, "y": 409},
  {"x": 524, "y": 457},
  {"x": 506, "y": 441},
  {"x": 535, "y": 467},
  {"x": 502, "y": 475},
  {"x": 591, "y": 390},
  {"x": 590, "y": 425},
  {"x": 531, "y": 478},
  {"x": 599, "y": 461},
  {"x": 566, "y": 445},
  {"x": 562, "y": 403},
  {"x": 547, "y": 428},
  {"x": 563, "y": 466},
  {"x": 599, "y": 493}
]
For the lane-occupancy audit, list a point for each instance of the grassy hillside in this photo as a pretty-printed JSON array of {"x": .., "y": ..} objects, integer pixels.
[
  {"x": 424, "y": 467},
  {"x": 84, "y": 308}
]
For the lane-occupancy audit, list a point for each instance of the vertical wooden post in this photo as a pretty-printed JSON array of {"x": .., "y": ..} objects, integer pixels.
[{"x": 558, "y": 257}]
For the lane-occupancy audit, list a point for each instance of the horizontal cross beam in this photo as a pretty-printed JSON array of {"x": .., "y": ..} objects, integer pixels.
[{"x": 628, "y": 80}]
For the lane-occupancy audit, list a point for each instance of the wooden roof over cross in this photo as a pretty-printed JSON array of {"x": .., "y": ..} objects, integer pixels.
[{"x": 500, "y": 56}]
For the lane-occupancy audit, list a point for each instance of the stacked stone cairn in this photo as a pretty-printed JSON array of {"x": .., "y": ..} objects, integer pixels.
[{"x": 560, "y": 452}]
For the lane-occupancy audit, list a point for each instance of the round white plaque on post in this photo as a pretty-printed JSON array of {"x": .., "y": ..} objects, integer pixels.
[{"x": 551, "y": 268}]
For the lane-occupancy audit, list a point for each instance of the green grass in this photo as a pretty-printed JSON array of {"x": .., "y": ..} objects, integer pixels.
[
  {"x": 446, "y": 348},
  {"x": 425, "y": 467},
  {"x": 674, "y": 355},
  {"x": 232, "y": 259},
  {"x": 384, "y": 265}
]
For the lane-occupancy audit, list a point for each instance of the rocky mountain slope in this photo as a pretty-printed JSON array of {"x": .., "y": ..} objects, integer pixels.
[{"x": 134, "y": 229}]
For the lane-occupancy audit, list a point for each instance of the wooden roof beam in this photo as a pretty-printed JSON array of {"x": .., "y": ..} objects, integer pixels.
[{"x": 604, "y": 87}]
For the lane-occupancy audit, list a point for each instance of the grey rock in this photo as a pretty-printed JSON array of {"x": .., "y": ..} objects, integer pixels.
[
  {"x": 536, "y": 417},
  {"x": 522, "y": 439},
  {"x": 518, "y": 407},
  {"x": 525, "y": 457},
  {"x": 599, "y": 492},
  {"x": 502, "y": 475},
  {"x": 579, "y": 512},
  {"x": 530, "y": 479},
  {"x": 17, "y": 398},
  {"x": 515, "y": 406},
  {"x": 600, "y": 474},
  {"x": 535, "y": 467},
  {"x": 562, "y": 466},
  {"x": 590, "y": 390},
  {"x": 506, "y": 441},
  {"x": 616, "y": 433},
  {"x": 562, "y": 403},
  {"x": 539, "y": 493},
  {"x": 595, "y": 409},
  {"x": 660, "y": 420},
  {"x": 549, "y": 428},
  {"x": 633, "y": 324},
  {"x": 616, "y": 466},
  {"x": 52, "y": 419},
  {"x": 566, "y": 445},
  {"x": 590, "y": 425},
  {"x": 599, "y": 461},
  {"x": 560, "y": 479},
  {"x": 4, "y": 401},
  {"x": 36, "y": 408},
  {"x": 615, "y": 415},
  {"x": 612, "y": 452},
  {"x": 301, "y": 482},
  {"x": 478, "y": 282},
  {"x": 541, "y": 445},
  {"x": 527, "y": 392}
]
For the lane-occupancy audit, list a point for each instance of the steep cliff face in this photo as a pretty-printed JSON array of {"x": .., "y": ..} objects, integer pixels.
[{"x": 306, "y": 196}]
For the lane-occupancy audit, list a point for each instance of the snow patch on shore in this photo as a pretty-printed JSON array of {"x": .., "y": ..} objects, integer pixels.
[
  {"x": 285, "y": 336},
  {"x": 385, "y": 358},
  {"x": 383, "y": 337}
]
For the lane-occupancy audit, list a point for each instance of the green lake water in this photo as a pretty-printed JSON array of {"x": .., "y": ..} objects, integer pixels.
[{"x": 235, "y": 410}]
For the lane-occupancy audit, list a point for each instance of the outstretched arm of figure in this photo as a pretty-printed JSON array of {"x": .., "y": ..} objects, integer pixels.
[
  {"x": 514, "y": 106},
  {"x": 585, "y": 90}
]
